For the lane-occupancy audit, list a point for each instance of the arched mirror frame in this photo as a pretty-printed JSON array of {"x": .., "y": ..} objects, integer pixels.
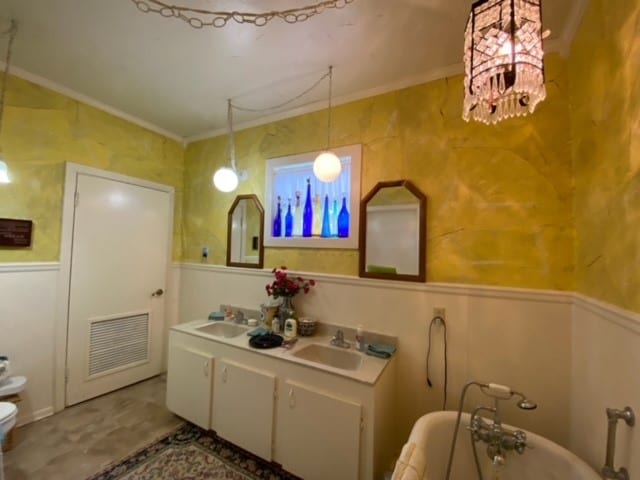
[
  {"x": 422, "y": 232},
  {"x": 256, "y": 202}
]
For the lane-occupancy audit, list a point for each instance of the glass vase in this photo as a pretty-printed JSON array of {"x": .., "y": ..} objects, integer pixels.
[{"x": 286, "y": 309}]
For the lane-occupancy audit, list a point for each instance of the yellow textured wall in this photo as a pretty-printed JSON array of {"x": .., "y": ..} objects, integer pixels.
[
  {"x": 605, "y": 119},
  {"x": 500, "y": 197},
  {"x": 41, "y": 131}
]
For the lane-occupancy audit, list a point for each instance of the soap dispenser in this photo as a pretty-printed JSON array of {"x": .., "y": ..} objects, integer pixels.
[{"x": 290, "y": 328}]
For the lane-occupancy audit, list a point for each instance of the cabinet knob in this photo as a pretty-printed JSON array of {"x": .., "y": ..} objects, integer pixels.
[
  {"x": 205, "y": 369},
  {"x": 224, "y": 375},
  {"x": 292, "y": 398}
]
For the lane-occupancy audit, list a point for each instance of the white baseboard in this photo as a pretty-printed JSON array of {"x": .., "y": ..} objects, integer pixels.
[{"x": 35, "y": 416}]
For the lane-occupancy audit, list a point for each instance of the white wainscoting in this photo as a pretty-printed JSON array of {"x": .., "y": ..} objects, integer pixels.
[
  {"x": 574, "y": 355},
  {"x": 605, "y": 374},
  {"x": 27, "y": 329},
  {"x": 517, "y": 337},
  {"x": 27, "y": 319}
]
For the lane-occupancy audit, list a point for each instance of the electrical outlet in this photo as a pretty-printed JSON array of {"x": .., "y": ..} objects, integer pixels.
[
  {"x": 440, "y": 312},
  {"x": 205, "y": 252}
]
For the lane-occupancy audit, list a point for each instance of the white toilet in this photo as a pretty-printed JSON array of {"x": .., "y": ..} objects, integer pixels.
[{"x": 8, "y": 414}]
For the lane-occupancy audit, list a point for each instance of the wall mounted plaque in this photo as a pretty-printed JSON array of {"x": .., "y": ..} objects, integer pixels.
[{"x": 15, "y": 233}]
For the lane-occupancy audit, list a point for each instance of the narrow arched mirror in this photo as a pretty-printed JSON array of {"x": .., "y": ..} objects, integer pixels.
[
  {"x": 393, "y": 232},
  {"x": 245, "y": 222}
]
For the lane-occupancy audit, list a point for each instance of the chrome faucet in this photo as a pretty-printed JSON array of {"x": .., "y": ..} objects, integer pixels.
[
  {"x": 499, "y": 440},
  {"x": 339, "y": 341}
]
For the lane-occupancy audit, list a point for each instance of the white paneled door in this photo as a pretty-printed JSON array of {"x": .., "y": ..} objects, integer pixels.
[{"x": 120, "y": 254}]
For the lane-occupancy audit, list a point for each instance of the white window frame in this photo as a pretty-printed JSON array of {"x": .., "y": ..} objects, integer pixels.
[{"x": 352, "y": 152}]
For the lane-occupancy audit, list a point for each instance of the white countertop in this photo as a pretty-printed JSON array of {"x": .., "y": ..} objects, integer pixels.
[{"x": 368, "y": 372}]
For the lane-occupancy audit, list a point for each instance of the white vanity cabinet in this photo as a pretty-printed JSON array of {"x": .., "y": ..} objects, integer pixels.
[
  {"x": 189, "y": 377},
  {"x": 317, "y": 424},
  {"x": 242, "y": 413},
  {"x": 318, "y": 433}
]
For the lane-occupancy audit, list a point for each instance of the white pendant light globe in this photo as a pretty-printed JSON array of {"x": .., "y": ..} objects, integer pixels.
[
  {"x": 327, "y": 167},
  {"x": 4, "y": 173},
  {"x": 225, "y": 179}
]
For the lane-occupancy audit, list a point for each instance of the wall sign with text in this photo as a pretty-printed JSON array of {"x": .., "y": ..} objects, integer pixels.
[{"x": 15, "y": 233}]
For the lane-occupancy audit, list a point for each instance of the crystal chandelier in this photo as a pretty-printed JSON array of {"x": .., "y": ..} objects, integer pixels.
[{"x": 504, "y": 70}]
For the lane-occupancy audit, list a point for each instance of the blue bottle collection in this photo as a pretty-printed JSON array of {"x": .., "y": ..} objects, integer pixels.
[{"x": 312, "y": 220}]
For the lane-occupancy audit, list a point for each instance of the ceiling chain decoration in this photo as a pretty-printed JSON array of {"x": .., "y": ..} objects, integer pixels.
[{"x": 199, "y": 18}]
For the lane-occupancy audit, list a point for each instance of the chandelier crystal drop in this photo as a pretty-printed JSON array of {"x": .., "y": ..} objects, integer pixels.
[{"x": 503, "y": 58}]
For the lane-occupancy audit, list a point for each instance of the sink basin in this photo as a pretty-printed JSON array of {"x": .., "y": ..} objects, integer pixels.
[
  {"x": 330, "y": 356},
  {"x": 226, "y": 330}
]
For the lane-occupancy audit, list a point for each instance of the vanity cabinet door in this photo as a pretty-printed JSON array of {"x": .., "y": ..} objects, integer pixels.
[
  {"x": 189, "y": 383},
  {"x": 317, "y": 434},
  {"x": 243, "y": 406}
]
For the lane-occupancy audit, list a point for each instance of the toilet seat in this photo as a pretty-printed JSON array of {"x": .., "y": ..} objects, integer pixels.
[{"x": 8, "y": 414}]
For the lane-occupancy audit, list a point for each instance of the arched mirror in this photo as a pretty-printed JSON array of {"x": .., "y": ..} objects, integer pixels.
[
  {"x": 393, "y": 224},
  {"x": 245, "y": 232}
]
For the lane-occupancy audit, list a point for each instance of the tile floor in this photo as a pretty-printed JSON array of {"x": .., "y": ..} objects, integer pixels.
[{"x": 81, "y": 440}]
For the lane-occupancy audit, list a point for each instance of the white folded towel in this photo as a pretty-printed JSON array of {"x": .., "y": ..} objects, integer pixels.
[{"x": 411, "y": 465}]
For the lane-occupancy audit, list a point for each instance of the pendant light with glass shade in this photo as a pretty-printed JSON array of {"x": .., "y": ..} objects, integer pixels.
[
  {"x": 226, "y": 179},
  {"x": 327, "y": 165},
  {"x": 4, "y": 170}
]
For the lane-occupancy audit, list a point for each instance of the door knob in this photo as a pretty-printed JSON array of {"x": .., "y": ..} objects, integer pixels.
[{"x": 158, "y": 293}]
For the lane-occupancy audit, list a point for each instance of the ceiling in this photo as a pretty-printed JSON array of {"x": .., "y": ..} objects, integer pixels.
[{"x": 174, "y": 79}]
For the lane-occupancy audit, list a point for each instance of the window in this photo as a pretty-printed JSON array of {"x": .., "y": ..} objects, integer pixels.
[{"x": 287, "y": 179}]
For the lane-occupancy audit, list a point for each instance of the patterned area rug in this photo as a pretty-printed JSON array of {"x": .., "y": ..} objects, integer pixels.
[{"x": 190, "y": 453}]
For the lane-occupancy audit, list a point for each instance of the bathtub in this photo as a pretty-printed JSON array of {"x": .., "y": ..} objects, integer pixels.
[{"x": 432, "y": 436}]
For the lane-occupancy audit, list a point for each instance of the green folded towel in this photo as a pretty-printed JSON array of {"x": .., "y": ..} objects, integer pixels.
[
  {"x": 381, "y": 269},
  {"x": 380, "y": 350}
]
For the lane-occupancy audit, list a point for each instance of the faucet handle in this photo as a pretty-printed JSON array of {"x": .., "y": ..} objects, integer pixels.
[{"x": 520, "y": 441}]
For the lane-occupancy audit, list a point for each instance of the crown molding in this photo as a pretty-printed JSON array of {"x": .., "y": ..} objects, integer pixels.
[
  {"x": 56, "y": 87},
  {"x": 410, "y": 81},
  {"x": 561, "y": 45}
]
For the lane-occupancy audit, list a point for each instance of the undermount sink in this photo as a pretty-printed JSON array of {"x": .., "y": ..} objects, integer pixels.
[
  {"x": 330, "y": 356},
  {"x": 226, "y": 330}
]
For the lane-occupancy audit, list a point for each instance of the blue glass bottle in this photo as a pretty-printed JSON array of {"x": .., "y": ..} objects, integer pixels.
[
  {"x": 288, "y": 222},
  {"x": 326, "y": 221},
  {"x": 343, "y": 220},
  {"x": 333, "y": 218},
  {"x": 307, "y": 214},
  {"x": 277, "y": 222}
]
